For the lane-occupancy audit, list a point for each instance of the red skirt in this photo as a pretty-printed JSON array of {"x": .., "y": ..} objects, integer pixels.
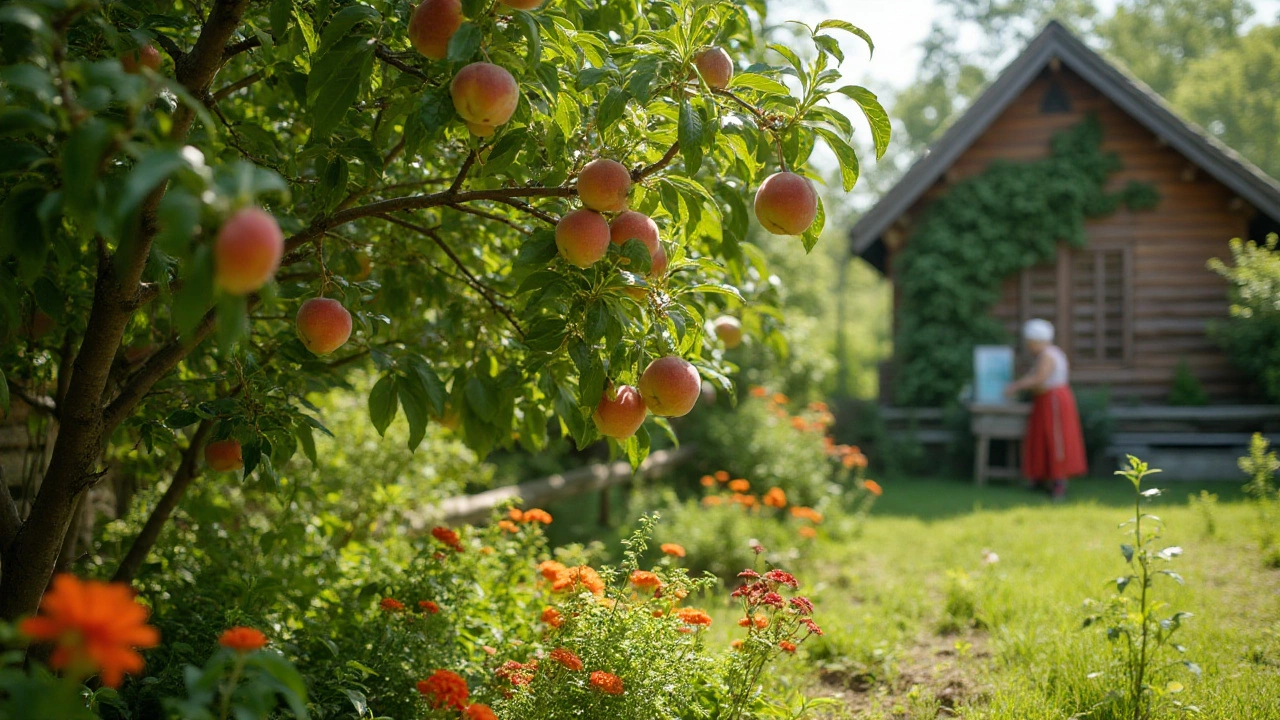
[{"x": 1053, "y": 448}]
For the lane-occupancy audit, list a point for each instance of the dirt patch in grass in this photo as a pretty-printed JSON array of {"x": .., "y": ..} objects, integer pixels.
[{"x": 929, "y": 679}]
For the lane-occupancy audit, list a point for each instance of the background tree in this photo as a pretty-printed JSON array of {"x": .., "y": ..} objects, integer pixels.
[{"x": 129, "y": 173}]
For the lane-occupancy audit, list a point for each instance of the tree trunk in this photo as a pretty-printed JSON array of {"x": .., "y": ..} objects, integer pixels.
[
  {"x": 188, "y": 471},
  {"x": 28, "y": 561}
]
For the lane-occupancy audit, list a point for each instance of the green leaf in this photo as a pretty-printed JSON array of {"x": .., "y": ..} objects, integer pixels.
[
  {"x": 279, "y": 14},
  {"x": 481, "y": 399},
  {"x": 591, "y": 384},
  {"x": 690, "y": 136},
  {"x": 714, "y": 287},
  {"x": 340, "y": 26},
  {"x": 877, "y": 118},
  {"x": 154, "y": 168},
  {"x": 465, "y": 43},
  {"x": 768, "y": 86},
  {"x": 413, "y": 399},
  {"x": 382, "y": 403},
  {"x": 848, "y": 27},
  {"x": 612, "y": 107},
  {"x": 430, "y": 383},
  {"x": 845, "y": 154},
  {"x": 1127, "y": 551},
  {"x": 537, "y": 251},
  {"x": 181, "y": 418},
  {"x": 637, "y": 447},
  {"x": 533, "y": 38},
  {"x": 306, "y": 438},
  {"x": 335, "y": 81},
  {"x": 812, "y": 235},
  {"x": 794, "y": 59}
]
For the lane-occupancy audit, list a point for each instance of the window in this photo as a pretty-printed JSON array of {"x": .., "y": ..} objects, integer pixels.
[{"x": 1088, "y": 295}]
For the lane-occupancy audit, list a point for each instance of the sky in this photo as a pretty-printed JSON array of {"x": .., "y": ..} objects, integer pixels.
[{"x": 897, "y": 27}]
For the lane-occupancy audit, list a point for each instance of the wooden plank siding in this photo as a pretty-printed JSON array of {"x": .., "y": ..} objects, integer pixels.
[{"x": 1142, "y": 274}]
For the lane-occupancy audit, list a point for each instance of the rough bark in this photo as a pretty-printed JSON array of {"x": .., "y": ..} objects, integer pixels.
[
  {"x": 188, "y": 471},
  {"x": 29, "y": 559}
]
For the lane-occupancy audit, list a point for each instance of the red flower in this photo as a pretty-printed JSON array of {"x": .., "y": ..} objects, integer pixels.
[
  {"x": 567, "y": 658},
  {"x": 673, "y": 549},
  {"x": 691, "y": 616},
  {"x": 787, "y": 646},
  {"x": 803, "y": 604},
  {"x": 607, "y": 682},
  {"x": 444, "y": 689},
  {"x": 448, "y": 537},
  {"x": 552, "y": 617},
  {"x": 429, "y": 607},
  {"x": 813, "y": 626},
  {"x": 782, "y": 578},
  {"x": 516, "y": 673},
  {"x": 95, "y": 625},
  {"x": 479, "y": 712},
  {"x": 391, "y": 605},
  {"x": 645, "y": 580},
  {"x": 242, "y": 639}
]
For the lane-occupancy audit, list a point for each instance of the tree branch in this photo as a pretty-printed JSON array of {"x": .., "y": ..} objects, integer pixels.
[
  {"x": 383, "y": 53},
  {"x": 381, "y": 208},
  {"x": 40, "y": 403},
  {"x": 9, "y": 520},
  {"x": 235, "y": 49},
  {"x": 472, "y": 280},
  {"x": 490, "y": 216},
  {"x": 462, "y": 172},
  {"x": 642, "y": 173},
  {"x": 161, "y": 363},
  {"x": 240, "y": 84},
  {"x": 188, "y": 470}
]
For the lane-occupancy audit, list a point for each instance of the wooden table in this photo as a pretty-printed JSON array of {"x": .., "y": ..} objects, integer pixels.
[{"x": 1007, "y": 421}]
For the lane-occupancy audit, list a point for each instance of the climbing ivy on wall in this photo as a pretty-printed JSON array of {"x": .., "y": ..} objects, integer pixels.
[{"x": 984, "y": 229}]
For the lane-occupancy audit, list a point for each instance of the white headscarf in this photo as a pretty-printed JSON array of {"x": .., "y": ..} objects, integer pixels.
[{"x": 1038, "y": 331}]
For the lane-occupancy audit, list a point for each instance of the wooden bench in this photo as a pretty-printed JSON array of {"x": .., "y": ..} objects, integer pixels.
[{"x": 1005, "y": 422}]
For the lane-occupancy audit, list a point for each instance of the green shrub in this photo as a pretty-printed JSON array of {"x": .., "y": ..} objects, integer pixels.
[
  {"x": 1251, "y": 336},
  {"x": 1186, "y": 389}
]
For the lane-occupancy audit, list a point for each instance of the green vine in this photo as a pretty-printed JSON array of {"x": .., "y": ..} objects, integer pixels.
[{"x": 1009, "y": 217}]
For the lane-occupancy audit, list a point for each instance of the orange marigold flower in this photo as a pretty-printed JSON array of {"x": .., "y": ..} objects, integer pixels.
[
  {"x": 486, "y": 550},
  {"x": 736, "y": 644},
  {"x": 537, "y": 515},
  {"x": 672, "y": 549},
  {"x": 739, "y": 485},
  {"x": 692, "y": 616},
  {"x": 580, "y": 576},
  {"x": 757, "y": 391},
  {"x": 854, "y": 460},
  {"x": 549, "y": 569},
  {"x": 242, "y": 639},
  {"x": 722, "y": 476},
  {"x": 744, "y": 500},
  {"x": 873, "y": 487},
  {"x": 707, "y": 481},
  {"x": 799, "y": 423},
  {"x": 787, "y": 646},
  {"x": 807, "y": 532},
  {"x": 96, "y": 627},
  {"x": 448, "y": 537},
  {"x": 607, "y": 682},
  {"x": 391, "y": 605},
  {"x": 761, "y": 621},
  {"x": 744, "y": 622},
  {"x": 508, "y": 526},
  {"x": 478, "y": 712},
  {"x": 712, "y": 500},
  {"x": 806, "y": 513},
  {"x": 819, "y": 406},
  {"x": 514, "y": 515},
  {"x": 775, "y": 498},
  {"x": 780, "y": 399},
  {"x": 567, "y": 658},
  {"x": 489, "y": 650},
  {"x": 552, "y": 617},
  {"x": 429, "y": 607},
  {"x": 645, "y": 580},
  {"x": 444, "y": 689}
]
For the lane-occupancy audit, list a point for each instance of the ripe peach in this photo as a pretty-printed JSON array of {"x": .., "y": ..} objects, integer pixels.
[
  {"x": 786, "y": 204},
  {"x": 247, "y": 252},
  {"x": 145, "y": 56},
  {"x": 323, "y": 325},
  {"x": 729, "y": 330},
  {"x": 620, "y": 416},
  {"x": 632, "y": 225},
  {"x": 670, "y": 386},
  {"x": 223, "y": 455},
  {"x": 716, "y": 67},
  {"x": 432, "y": 25},
  {"x": 522, "y": 4},
  {"x": 582, "y": 237},
  {"x": 603, "y": 185},
  {"x": 485, "y": 95}
]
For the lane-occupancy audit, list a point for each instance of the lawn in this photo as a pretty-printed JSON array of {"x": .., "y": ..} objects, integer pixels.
[{"x": 919, "y": 625}]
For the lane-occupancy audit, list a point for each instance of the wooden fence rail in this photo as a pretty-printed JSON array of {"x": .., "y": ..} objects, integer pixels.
[{"x": 476, "y": 508}]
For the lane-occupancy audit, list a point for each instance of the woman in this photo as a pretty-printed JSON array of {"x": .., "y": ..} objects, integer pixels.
[{"x": 1053, "y": 447}]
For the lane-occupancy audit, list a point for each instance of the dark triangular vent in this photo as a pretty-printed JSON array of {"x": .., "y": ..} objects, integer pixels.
[{"x": 1055, "y": 100}]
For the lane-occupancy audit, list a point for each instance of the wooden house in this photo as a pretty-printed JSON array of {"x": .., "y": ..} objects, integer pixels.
[{"x": 1136, "y": 300}]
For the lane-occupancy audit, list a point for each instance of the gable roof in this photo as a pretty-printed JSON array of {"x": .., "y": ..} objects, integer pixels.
[{"x": 1131, "y": 95}]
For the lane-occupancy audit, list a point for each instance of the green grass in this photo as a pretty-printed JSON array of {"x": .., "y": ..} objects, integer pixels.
[{"x": 1012, "y": 646}]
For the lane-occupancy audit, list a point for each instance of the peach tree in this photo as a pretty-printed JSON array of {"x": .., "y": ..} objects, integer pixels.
[{"x": 521, "y": 217}]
